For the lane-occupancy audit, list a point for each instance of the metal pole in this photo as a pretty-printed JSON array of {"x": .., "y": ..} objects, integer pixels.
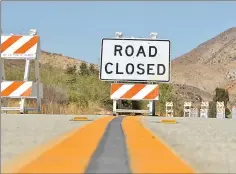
[
  {"x": 152, "y": 106},
  {"x": 114, "y": 107},
  {"x": 118, "y": 103},
  {"x": 2, "y": 71}
]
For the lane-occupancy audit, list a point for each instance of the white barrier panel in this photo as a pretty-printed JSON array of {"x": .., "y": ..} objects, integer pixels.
[
  {"x": 204, "y": 110},
  {"x": 234, "y": 112},
  {"x": 21, "y": 89},
  {"x": 19, "y": 47},
  {"x": 187, "y": 108},
  {"x": 203, "y": 113},
  {"x": 134, "y": 91},
  {"x": 220, "y": 109},
  {"x": 194, "y": 112},
  {"x": 169, "y": 109}
]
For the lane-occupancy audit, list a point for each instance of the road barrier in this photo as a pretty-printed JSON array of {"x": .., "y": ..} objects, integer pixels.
[
  {"x": 129, "y": 63},
  {"x": 21, "y": 47},
  {"x": 220, "y": 110},
  {"x": 194, "y": 112},
  {"x": 234, "y": 112},
  {"x": 169, "y": 109},
  {"x": 187, "y": 108},
  {"x": 124, "y": 91},
  {"x": 204, "y": 109}
]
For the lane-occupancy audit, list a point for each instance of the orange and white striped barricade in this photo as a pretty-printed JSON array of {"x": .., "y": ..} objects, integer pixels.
[
  {"x": 21, "y": 47},
  {"x": 220, "y": 110},
  {"x": 194, "y": 112},
  {"x": 169, "y": 109},
  {"x": 204, "y": 110},
  {"x": 234, "y": 112},
  {"x": 123, "y": 91},
  {"x": 187, "y": 108}
]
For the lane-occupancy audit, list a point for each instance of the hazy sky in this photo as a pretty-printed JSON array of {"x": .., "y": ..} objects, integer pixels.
[{"x": 75, "y": 29}]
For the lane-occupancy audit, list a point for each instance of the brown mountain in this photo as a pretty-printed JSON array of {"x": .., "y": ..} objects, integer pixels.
[{"x": 211, "y": 64}]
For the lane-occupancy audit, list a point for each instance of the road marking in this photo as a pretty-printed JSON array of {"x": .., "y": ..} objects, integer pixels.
[
  {"x": 147, "y": 153},
  {"x": 73, "y": 154},
  {"x": 111, "y": 155}
]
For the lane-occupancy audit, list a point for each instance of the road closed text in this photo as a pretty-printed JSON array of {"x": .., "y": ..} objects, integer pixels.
[
  {"x": 129, "y": 50},
  {"x": 135, "y": 59},
  {"x": 139, "y": 69}
]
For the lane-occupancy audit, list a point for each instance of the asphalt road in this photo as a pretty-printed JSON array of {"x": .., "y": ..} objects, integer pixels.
[{"x": 111, "y": 155}]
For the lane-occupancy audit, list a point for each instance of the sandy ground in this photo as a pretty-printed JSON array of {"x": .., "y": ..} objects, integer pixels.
[
  {"x": 22, "y": 133},
  {"x": 208, "y": 145}
]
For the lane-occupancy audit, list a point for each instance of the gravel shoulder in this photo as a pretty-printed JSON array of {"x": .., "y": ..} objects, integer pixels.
[
  {"x": 22, "y": 133},
  {"x": 208, "y": 145}
]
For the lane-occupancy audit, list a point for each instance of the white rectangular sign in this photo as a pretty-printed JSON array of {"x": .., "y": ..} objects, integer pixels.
[
  {"x": 135, "y": 60},
  {"x": 234, "y": 112}
]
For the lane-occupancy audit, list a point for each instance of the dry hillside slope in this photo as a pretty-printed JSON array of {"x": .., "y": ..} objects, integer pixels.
[
  {"x": 211, "y": 64},
  {"x": 60, "y": 61}
]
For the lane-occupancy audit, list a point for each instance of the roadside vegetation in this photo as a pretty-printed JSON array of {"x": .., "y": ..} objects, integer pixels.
[
  {"x": 221, "y": 95},
  {"x": 78, "y": 90},
  {"x": 69, "y": 91}
]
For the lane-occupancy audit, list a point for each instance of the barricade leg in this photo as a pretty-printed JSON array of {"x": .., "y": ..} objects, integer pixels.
[
  {"x": 151, "y": 108},
  {"x": 114, "y": 107},
  {"x": 22, "y": 104},
  {"x": 5, "y": 104}
]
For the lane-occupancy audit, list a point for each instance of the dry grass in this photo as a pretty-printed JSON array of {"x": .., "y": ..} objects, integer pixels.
[
  {"x": 55, "y": 108},
  {"x": 89, "y": 96}
]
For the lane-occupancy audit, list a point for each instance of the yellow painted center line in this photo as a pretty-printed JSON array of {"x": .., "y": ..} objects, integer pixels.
[
  {"x": 73, "y": 154},
  {"x": 147, "y": 153}
]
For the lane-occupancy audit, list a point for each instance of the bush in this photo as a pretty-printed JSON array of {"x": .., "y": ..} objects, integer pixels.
[
  {"x": 55, "y": 94},
  {"x": 221, "y": 95},
  {"x": 227, "y": 112},
  {"x": 83, "y": 69},
  {"x": 167, "y": 94},
  {"x": 212, "y": 109}
]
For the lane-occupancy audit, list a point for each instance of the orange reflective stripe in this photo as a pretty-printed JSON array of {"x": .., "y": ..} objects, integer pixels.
[
  {"x": 24, "y": 48},
  {"x": 10, "y": 41}
]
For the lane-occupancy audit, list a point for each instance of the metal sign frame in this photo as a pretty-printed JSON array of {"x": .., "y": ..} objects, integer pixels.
[{"x": 117, "y": 103}]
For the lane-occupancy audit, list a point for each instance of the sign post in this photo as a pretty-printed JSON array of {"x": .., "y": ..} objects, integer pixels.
[{"x": 140, "y": 61}]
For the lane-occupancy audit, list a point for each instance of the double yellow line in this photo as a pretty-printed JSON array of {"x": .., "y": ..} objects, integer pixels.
[{"x": 72, "y": 154}]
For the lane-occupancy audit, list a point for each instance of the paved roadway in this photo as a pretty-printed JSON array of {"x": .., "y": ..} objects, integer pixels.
[{"x": 106, "y": 145}]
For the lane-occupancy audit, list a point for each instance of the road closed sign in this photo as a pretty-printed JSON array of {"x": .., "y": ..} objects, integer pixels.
[{"x": 135, "y": 60}]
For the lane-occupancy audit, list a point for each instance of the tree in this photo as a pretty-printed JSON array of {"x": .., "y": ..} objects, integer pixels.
[
  {"x": 71, "y": 70},
  {"x": 212, "y": 109},
  {"x": 221, "y": 95},
  {"x": 92, "y": 70},
  {"x": 72, "y": 76},
  {"x": 166, "y": 94},
  {"x": 83, "y": 69}
]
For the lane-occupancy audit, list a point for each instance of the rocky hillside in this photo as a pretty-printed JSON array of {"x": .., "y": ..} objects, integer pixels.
[
  {"x": 211, "y": 64},
  {"x": 60, "y": 61}
]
